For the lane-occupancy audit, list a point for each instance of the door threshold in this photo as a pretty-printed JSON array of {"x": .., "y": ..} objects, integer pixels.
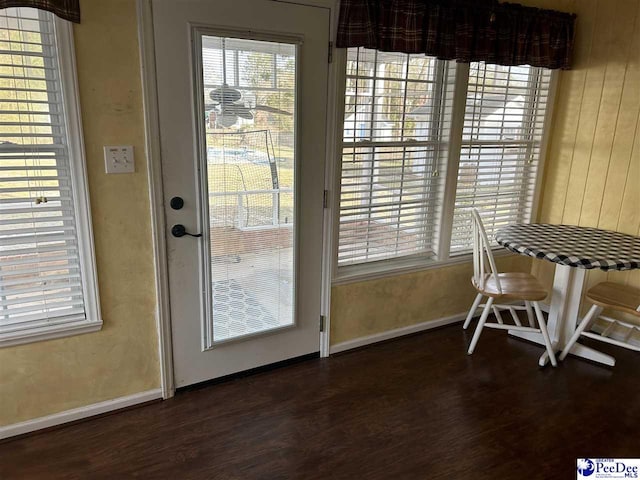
[{"x": 250, "y": 372}]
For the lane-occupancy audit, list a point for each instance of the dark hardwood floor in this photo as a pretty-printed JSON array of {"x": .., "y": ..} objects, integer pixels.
[{"x": 412, "y": 408}]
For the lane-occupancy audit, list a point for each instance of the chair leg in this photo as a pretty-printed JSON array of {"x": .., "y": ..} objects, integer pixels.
[
  {"x": 527, "y": 305},
  {"x": 481, "y": 322},
  {"x": 514, "y": 315},
  {"x": 474, "y": 307},
  {"x": 593, "y": 313},
  {"x": 545, "y": 334},
  {"x": 498, "y": 315}
]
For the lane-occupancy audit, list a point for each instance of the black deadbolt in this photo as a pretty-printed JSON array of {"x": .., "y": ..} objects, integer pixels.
[{"x": 176, "y": 203}]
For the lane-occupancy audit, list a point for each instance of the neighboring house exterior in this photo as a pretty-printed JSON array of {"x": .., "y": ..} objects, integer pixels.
[{"x": 358, "y": 124}]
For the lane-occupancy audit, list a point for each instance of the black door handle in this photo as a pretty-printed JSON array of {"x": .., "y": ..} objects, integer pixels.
[{"x": 179, "y": 230}]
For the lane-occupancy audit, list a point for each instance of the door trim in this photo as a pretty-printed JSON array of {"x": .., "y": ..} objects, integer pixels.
[
  {"x": 333, "y": 140},
  {"x": 156, "y": 191},
  {"x": 156, "y": 198}
]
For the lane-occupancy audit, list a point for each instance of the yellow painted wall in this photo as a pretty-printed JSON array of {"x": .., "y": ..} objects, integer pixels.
[
  {"x": 592, "y": 173},
  {"x": 592, "y": 178},
  {"x": 374, "y": 306},
  {"x": 47, "y": 377}
]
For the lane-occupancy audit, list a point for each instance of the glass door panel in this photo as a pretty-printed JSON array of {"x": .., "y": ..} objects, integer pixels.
[{"x": 249, "y": 125}]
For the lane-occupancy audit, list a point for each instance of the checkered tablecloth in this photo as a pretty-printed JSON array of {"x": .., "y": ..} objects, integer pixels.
[{"x": 574, "y": 246}]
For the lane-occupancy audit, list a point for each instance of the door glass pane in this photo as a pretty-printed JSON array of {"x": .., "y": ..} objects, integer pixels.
[{"x": 249, "y": 100}]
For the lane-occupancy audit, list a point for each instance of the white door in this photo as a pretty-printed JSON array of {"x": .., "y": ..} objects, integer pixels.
[{"x": 243, "y": 151}]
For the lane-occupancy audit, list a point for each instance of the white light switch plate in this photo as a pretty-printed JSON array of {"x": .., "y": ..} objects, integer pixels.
[{"x": 119, "y": 159}]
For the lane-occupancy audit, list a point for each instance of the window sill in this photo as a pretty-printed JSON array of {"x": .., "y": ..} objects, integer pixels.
[
  {"x": 40, "y": 334},
  {"x": 382, "y": 269}
]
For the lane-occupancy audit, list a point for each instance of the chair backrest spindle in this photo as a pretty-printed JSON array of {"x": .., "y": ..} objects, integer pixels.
[{"x": 482, "y": 249}]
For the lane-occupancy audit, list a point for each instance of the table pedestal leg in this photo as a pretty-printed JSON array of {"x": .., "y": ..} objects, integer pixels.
[
  {"x": 564, "y": 311},
  {"x": 584, "y": 352}
]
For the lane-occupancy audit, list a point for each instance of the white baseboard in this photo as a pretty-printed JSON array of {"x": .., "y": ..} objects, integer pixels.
[
  {"x": 78, "y": 413},
  {"x": 396, "y": 332}
]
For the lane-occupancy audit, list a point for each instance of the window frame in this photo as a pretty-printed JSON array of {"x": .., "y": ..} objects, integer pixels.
[
  {"x": 442, "y": 69},
  {"x": 532, "y": 141},
  {"x": 63, "y": 34},
  {"x": 394, "y": 266}
]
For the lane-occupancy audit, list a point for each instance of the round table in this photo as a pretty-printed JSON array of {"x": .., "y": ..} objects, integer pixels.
[{"x": 574, "y": 250}]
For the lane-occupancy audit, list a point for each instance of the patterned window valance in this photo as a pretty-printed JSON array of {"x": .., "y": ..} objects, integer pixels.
[
  {"x": 67, "y": 9},
  {"x": 464, "y": 30}
]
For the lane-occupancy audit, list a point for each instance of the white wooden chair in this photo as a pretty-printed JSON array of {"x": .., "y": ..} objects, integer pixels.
[
  {"x": 496, "y": 311},
  {"x": 613, "y": 296},
  {"x": 503, "y": 286}
]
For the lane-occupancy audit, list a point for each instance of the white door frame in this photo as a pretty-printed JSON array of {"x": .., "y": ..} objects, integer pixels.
[{"x": 156, "y": 197}]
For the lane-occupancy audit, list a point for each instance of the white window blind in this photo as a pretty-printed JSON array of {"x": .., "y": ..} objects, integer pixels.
[
  {"x": 503, "y": 127},
  {"x": 396, "y": 130},
  {"x": 41, "y": 282}
]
